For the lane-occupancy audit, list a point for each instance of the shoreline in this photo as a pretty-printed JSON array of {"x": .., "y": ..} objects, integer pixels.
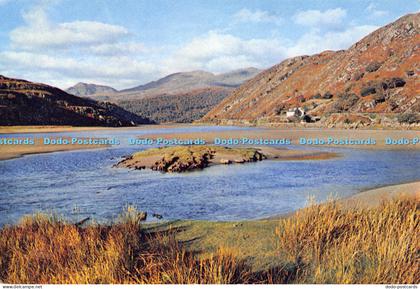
[
  {"x": 373, "y": 197},
  {"x": 294, "y": 134},
  {"x": 9, "y": 152}
]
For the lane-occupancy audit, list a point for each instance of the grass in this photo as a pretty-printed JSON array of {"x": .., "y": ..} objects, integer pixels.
[
  {"x": 327, "y": 244},
  {"x": 319, "y": 244}
]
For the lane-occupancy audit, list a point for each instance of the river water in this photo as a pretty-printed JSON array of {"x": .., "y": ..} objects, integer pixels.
[{"x": 83, "y": 183}]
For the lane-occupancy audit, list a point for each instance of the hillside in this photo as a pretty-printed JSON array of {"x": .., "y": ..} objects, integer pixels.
[
  {"x": 376, "y": 76},
  {"x": 182, "y": 108},
  {"x": 27, "y": 103},
  {"x": 86, "y": 89}
]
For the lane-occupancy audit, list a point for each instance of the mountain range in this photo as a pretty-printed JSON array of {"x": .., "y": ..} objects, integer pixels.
[
  {"x": 178, "y": 97},
  {"x": 376, "y": 75}
]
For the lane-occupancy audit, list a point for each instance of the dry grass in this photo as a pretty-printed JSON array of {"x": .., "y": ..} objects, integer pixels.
[
  {"x": 43, "y": 249},
  {"x": 328, "y": 244},
  {"x": 320, "y": 244}
]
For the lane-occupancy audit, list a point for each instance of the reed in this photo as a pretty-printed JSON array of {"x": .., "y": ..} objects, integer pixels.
[
  {"x": 319, "y": 244},
  {"x": 329, "y": 244}
]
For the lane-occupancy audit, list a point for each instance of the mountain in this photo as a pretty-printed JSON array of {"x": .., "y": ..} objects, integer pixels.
[
  {"x": 181, "y": 82},
  {"x": 86, "y": 89},
  {"x": 178, "y": 97},
  {"x": 377, "y": 75},
  {"x": 28, "y": 103}
]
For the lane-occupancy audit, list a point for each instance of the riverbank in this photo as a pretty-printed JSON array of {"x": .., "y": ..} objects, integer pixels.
[
  {"x": 15, "y": 151},
  {"x": 293, "y": 134},
  {"x": 374, "y": 197},
  {"x": 66, "y": 128},
  {"x": 318, "y": 244},
  {"x": 296, "y": 134},
  {"x": 255, "y": 240}
]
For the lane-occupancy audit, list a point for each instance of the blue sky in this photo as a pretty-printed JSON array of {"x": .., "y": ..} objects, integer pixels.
[{"x": 126, "y": 43}]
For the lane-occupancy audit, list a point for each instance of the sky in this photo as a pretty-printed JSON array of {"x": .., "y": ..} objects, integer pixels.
[{"x": 128, "y": 43}]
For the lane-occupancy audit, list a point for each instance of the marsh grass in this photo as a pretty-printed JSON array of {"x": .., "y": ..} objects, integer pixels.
[
  {"x": 45, "y": 249},
  {"x": 329, "y": 244},
  {"x": 319, "y": 244}
]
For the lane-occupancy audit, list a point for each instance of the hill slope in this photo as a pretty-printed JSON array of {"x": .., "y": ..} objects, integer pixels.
[
  {"x": 182, "y": 108},
  {"x": 378, "y": 74},
  {"x": 27, "y": 103}
]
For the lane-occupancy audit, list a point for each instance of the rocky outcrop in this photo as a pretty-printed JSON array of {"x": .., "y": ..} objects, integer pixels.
[
  {"x": 175, "y": 164},
  {"x": 187, "y": 158}
]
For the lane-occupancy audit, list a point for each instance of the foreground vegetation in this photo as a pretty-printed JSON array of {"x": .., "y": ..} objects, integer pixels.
[{"x": 319, "y": 244}]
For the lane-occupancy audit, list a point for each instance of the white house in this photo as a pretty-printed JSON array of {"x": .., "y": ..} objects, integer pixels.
[{"x": 295, "y": 112}]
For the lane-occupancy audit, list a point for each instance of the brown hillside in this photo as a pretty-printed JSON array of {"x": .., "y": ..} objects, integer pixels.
[
  {"x": 27, "y": 103},
  {"x": 378, "y": 74}
]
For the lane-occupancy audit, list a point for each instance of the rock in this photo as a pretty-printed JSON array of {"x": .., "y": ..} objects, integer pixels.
[
  {"x": 157, "y": 216},
  {"x": 359, "y": 76},
  {"x": 78, "y": 224},
  {"x": 327, "y": 95},
  {"x": 225, "y": 161},
  {"x": 410, "y": 73}
]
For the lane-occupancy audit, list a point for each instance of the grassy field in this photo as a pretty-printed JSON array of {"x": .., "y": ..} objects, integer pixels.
[{"x": 319, "y": 244}]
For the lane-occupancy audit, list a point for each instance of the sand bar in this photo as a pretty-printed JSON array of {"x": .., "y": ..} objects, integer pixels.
[{"x": 16, "y": 151}]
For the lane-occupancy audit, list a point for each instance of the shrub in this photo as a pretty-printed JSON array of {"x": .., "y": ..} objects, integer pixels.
[
  {"x": 373, "y": 66},
  {"x": 365, "y": 91},
  {"x": 344, "y": 102},
  {"x": 393, "y": 83},
  {"x": 409, "y": 117}
]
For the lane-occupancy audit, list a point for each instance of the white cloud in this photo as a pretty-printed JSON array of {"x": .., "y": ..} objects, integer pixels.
[
  {"x": 109, "y": 49},
  {"x": 257, "y": 16},
  {"x": 77, "y": 50},
  {"x": 317, "y": 18},
  {"x": 219, "y": 52},
  {"x": 64, "y": 53},
  {"x": 112, "y": 69},
  {"x": 3, "y": 2},
  {"x": 315, "y": 42},
  {"x": 374, "y": 11},
  {"x": 39, "y": 33}
]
